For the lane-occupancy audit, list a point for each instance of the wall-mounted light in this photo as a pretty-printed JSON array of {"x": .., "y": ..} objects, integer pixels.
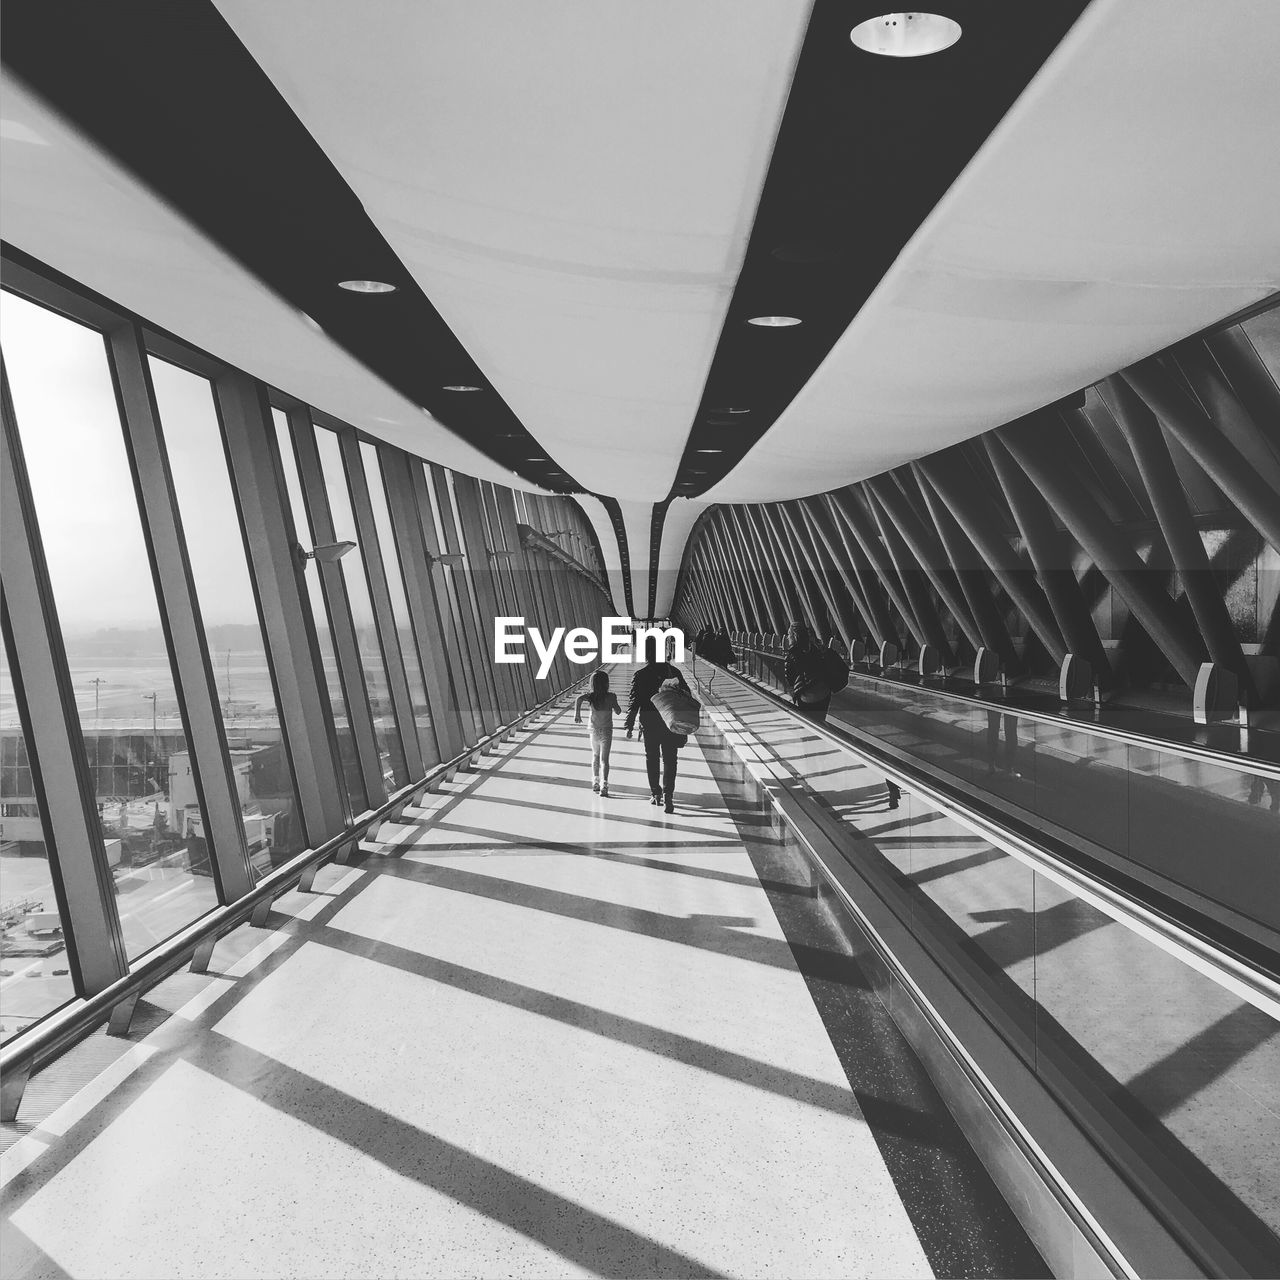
[
  {"x": 455, "y": 558},
  {"x": 325, "y": 553},
  {"x": 502, "y": 554}
]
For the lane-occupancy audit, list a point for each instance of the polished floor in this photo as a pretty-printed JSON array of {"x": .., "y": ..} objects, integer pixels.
[{"x": 531, "y": 1032}]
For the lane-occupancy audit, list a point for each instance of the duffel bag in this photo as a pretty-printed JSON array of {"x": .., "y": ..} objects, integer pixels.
[{"x": 680, "y": 711}]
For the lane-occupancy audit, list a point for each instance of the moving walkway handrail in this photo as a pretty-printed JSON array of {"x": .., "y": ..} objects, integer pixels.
[
  {"x": 47, "y": 1037},
  {"x": 1190, "y": 750},
  {"x": 1258, "y": 987}
]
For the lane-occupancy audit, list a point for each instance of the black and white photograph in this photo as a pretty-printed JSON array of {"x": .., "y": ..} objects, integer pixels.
[{"x": 639, "y": 639}]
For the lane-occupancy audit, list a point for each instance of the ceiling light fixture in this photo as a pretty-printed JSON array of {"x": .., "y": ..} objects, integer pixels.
[
  {"x": 774, "y": 322},
  {"x": 708, "y": 450},
  {"x": 728, "y": 410},
  {"x": 366, "y": 286},
  {"x": 460, "y": 386},
  {"x": 905, "y": 35}
]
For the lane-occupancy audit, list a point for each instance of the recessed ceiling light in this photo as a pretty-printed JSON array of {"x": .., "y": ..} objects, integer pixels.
[
  {"x": 460, "y": 386},
  {"x": 310, "y": 322},
  {"x": 728, "y": 410},
  {"x": 905, "y": 35},
  {"x": 366, "y": 286},
  {"x": 708, "y": 450},
  {"x": 774, "y": 322}
]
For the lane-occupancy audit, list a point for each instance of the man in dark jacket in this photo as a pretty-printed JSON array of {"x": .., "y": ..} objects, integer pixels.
[
  {"x": 803, "y": 666},
  {"x": 659, "y": 742}
]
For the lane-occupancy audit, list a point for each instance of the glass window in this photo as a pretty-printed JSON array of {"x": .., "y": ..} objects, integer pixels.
[
  {"x": 390, "y": 750},
  {"x": 461, "y": 649},
  {"x": 470, "y": 611},
  {"x": 358, "y": 801},
  {"x": 399, "y": 602},
  {"x": 35, "y": 976},
  {"x": 232, "y": 628},
  {"x": 91, "y": 530}
]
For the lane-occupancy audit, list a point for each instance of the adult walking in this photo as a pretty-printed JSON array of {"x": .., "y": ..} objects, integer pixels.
[
  {"x": 804, "y": 671},
  {"x": 660, "y": 743}
]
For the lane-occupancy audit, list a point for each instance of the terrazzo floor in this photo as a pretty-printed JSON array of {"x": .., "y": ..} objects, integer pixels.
[{"x": 531, "y": 1032}]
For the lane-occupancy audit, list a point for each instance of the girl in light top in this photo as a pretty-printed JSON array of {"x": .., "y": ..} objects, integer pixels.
[{"x": 604, "y": 706}]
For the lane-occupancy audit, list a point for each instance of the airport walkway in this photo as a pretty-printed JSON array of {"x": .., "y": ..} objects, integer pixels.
[{"x": 529, "y": 1032}]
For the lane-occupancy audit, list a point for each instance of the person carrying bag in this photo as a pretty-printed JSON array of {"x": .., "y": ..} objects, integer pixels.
[
  {"x": 661, "y": 742},
  {"x": 808, "y": 672}
]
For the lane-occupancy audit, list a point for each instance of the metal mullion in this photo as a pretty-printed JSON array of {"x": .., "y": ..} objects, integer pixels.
[
  {"x": 807, "y": 544},
  {"x": 1155, "y": 465},
  {"x": 504, "y": 521},
  {"x": 337, "y": 604},
  {"x": 83, "y": 883},
  {"x": 435, "y": 531},
  {"x": 974, "y": 516},
  {"x": 739, "y": 582},
  {"x": 306, "y": 715},
  {"x": 470, "y": 501},
  {"x": 879, "y": 616},
  {"x": 1112, "y": 553},
  {"x": 1057, "y": 579},
  {"x": 712, "y": 587},
  {"x": 464, "y": 702},
  {"x": 476, "y": 567},
  {"x": 929, "y": 554},
  {"x": 424, "y": 610},
  {"x": 797, "y": 606},
  {"x": 727, "y": 544},
  {"x": 973, "y": 581},
  {"x": 1188, "y": 423},
  {"x": 180, "y": 615},
  {"x": 541, "y": 588},
  {"x": 459, "y": 596},
  {"x": 812, "y": 517},
  {"x": 847, "y": 512},
  {"x": 770, "y": 520},
  {"x": 384, "y": 617},
  {"x": 550, "y": 584},
  {"x": 927, "y": 623},
  {"x": 753, "y": 554},
  {"x": 719, "y": 578},
  {"x": 735, "y": 559}
]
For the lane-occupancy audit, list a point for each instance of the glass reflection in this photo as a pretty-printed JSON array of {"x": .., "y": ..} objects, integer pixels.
[
  {"x": 91, "y": 530},
  {"x": 233, "y": 631}
]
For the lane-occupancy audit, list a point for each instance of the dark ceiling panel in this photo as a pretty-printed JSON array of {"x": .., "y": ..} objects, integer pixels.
[
  {"x": 867, "y": 146},
  {"x": 170, "y": 91}
]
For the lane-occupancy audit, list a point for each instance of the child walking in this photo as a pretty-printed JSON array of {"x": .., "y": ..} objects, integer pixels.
[{"x": 604, "y": 705}]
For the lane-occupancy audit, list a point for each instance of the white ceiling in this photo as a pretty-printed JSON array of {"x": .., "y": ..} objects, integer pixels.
[
  {"x": 572, "y": 183},
  {"x": 1129, "y": 198},
  {"x": 65, "y": 203},
  {"x": 682, "y": 514}
]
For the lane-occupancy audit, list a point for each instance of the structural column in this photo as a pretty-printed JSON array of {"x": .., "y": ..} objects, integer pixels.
[{"x": 1155, "y": 465}]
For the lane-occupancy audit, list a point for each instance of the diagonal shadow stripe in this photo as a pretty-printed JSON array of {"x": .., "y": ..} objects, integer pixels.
[
  {"x": 1200, "y": 1060},
  {"x": 567, "y": 1228},
  {"x": 614, "y": 851},
  {"x": 678, "y": 929},
  {"x": 600, "y": 1022}
]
